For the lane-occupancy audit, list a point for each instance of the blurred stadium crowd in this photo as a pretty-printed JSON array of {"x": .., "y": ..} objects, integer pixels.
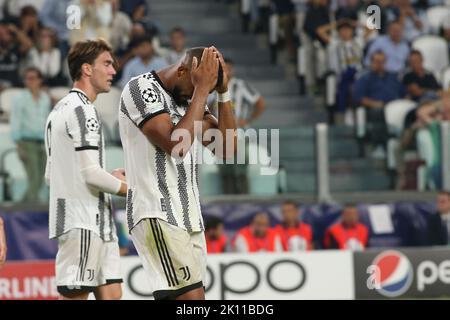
[{"x": 384, "y": 91}]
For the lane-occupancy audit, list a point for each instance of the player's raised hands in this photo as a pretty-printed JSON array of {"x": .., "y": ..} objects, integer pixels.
[{"x": 204, "y": 74}]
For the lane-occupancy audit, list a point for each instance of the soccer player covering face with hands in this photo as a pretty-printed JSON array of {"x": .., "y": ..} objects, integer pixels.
[
  {"x": 160, "y": 113},
  {"x": 80, "y": 205}
]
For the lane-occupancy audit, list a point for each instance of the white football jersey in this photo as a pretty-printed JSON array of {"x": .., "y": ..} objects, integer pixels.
[
  {"x": 72, "y": 126},
  {"x": 159, "y": 185}
]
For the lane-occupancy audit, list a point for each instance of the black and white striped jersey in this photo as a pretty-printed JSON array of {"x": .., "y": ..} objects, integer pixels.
[
  {"x": 73, "y": 126},
  {"x": 160, "y": 186}
]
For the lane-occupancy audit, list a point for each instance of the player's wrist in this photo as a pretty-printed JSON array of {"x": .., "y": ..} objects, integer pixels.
[{"x": 223, "y": 97}]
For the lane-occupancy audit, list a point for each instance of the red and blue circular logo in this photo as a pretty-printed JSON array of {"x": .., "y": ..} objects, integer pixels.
[{"x": 395, "y": 273}]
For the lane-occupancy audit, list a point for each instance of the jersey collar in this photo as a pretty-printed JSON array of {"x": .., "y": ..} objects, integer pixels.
[{"x": 79, "y": 91}]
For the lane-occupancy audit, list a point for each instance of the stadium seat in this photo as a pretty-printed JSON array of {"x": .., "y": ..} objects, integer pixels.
[
  {"x": 259, "y": 183},
  {"x": 57, "y": 93},
  {"x": 395, "y": 113},
  {"x": 436, "y": 17},
  {"x": 425, "y": 150},
  {"x": 435, "y": 53},
  {"x": 446, "y": 80},
  {"x": 6, "y": 99}
]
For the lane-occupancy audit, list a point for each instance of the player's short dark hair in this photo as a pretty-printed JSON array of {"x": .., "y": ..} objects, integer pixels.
[
  {"x": 212, "y": 223},
  {"x": 86, "y": 52}
]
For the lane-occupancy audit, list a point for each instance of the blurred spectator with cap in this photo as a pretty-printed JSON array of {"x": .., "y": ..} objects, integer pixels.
[
  {"x": 439, "y": 223},
  {"x": 258, "y": 237},
  {"x": 28, "y": 118},
  {"x": 348, "y": 234},
  {"x": 216, "y": 240},
  {"x": 292, "y": 234}
]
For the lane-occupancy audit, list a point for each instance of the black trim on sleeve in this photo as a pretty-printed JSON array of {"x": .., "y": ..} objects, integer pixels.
[
  {"x": 86, "y": 148},
  {"x": 68, "y": 291},
  {"x": 150, "y": 116},
  {"x": 172, "y": 294},
  {"x": 111, "y": 281}
]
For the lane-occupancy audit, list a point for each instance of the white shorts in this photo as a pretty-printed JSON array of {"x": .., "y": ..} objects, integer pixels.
[
  {"x": 84, "y": 261},
  {"x": 173, "y": 259}
]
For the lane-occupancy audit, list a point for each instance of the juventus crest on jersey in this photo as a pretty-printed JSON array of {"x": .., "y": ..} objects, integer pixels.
[
  {"x": 72, "y": 126},
  {"x": 159, "y": 185}
]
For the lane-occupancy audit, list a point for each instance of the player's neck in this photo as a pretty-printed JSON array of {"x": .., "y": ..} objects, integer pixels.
[
  {"x": 167, "y": 77},
  {"x": 87, "y": 88}
]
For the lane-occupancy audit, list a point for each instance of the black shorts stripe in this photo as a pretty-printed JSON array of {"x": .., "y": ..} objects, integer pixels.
[
  {"x": 158, "y": 228},
  {"x": 88, "y": 247},
  {"x": 170, "y": 281},
  {"x": 80, "y": 265}
]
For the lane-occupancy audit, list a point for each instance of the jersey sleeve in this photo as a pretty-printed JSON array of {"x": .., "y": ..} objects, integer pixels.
[
  {"x": 142, "y": 100},
  {"x": 83, "y": 127}
]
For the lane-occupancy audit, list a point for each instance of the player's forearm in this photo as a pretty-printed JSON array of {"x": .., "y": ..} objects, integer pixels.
[{"x": 184, "y": 131}]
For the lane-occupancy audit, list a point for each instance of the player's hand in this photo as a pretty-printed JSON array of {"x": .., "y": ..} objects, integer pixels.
[
  {"x": 2, "y": 245},
  {"x": 204, "y": 75},
  {"x": 119, "y": 174},
  {"x": 224, "y": 86}
]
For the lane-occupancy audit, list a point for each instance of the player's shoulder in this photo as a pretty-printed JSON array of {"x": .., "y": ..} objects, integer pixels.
[{"x": 142, "y": 81}]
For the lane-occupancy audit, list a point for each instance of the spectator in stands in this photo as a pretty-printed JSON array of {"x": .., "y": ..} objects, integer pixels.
[
  {"x": 420, "y": 83},
  {"x": 414, "y": 22},
  {"x": 28, "y": 118},
  {"x": 256, "y": 237},
  {"x": 373, "y": 90},
  {"x": 439, "y": 223},
  {"x": 29, "y": 23},
  {"x": 248, "y": 105},
  {"x": 317, "y": 15},
  {"x": 145, "y": 61},
  {"x": 344, "y": 54},
  {"x": 54, "y": 16},
  {"x": 177, "y": 45},
  {"x": 348, "y": 234},
  {"x": 46, "y": 57},
  {"x": 286, "y": 20},
  {"x": 348, "y": 9},
  {"x": 14, "y": 45},
  {"x": 3, "y": 247},
  {"x": 393, "y": 46},
  {"x": 292, "y": 234},
  {"x": 135, "y": 9},
  {"x": 96, "y": 17},
  {"x": 120, "y": 27},
  {"x": 429, "y": 139},
  {"x": 216, "y": 240}
]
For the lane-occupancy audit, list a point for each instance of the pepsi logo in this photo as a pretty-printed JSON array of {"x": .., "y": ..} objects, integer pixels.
[{"x": 392, "y": 273}]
